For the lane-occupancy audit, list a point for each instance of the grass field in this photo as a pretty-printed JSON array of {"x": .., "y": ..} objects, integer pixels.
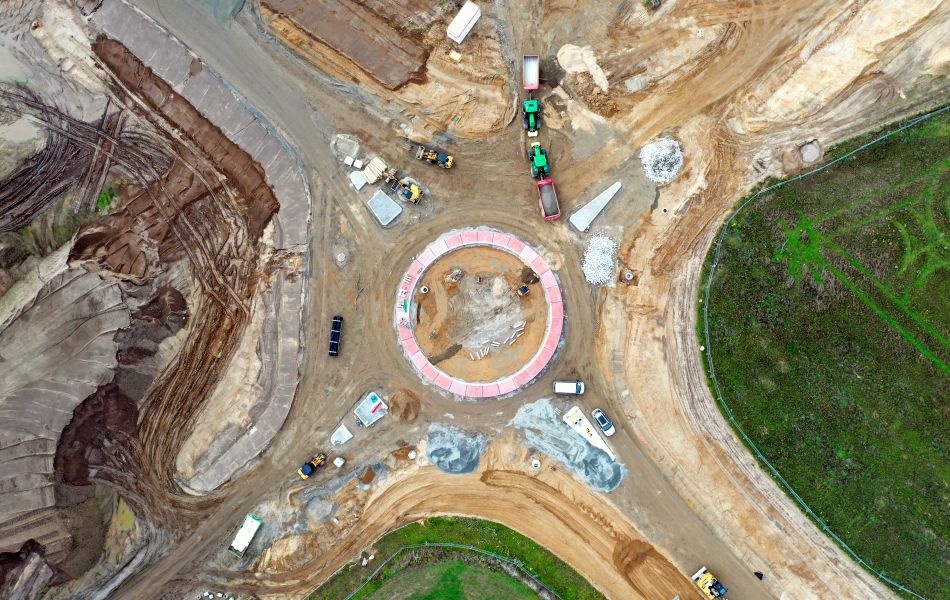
[
  {"x": 451, "y": 580},
  {"x": 484, "y": 535},
  {"x": 829, "y": 321}
]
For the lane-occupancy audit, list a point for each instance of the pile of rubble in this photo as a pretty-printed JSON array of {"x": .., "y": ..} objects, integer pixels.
[
  {"x": 600, "y": 260},
  {"x": 662, "y": 160}
]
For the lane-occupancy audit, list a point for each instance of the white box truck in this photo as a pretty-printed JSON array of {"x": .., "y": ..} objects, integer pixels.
[
  {"x": 463, "y": 22},
  {"x": 573, "y": 388},
  {"x": 245, "y": 535}
]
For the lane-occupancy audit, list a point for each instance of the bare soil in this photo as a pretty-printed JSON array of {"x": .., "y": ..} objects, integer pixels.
[
  {"x": 591, "y": 536},
  {"x": 472, "y": 301},
  {"x": 743, "y": 86},
  {"x": 360, "y": 34},
  {"x": 404, "y": 405},
  {"x": 469, "y": 98}
]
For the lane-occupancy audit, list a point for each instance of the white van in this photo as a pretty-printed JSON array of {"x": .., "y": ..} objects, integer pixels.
[{"x": 573, "y": 388}]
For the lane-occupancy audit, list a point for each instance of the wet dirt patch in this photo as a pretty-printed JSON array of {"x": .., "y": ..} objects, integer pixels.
[
  {"x": 544, "y": 430},
  {"x": 454, "y": 450}
]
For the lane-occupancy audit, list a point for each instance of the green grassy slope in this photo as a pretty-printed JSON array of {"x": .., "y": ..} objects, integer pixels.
[
  {"x": 830, "y": 326},
  {"x": 485, "y": 535}
]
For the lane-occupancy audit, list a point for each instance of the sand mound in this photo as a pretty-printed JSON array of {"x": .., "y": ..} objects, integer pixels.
[
  {"x": 576, "y": 59},
  {"x": 404, "y": 405}
]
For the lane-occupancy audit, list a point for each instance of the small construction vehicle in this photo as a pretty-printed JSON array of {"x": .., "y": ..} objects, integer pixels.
[
  {"x": 540, "y": 169},
  {"x": 709, "y": 585},
  {"x": 531, "y": 110},
  {"x": 433, "y": 156},
  {"x": 523, "y": 291},
  {"x": 310, "y": 467},
  {"x": 407, "y": 190}
]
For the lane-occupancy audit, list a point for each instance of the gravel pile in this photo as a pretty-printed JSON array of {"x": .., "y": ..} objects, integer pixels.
[
  {"x": 544, "y": 431},
  {"x": 662, "y": 160},
  {"x": 453, "y": 450},
  {"x": 600, "y": 260}
]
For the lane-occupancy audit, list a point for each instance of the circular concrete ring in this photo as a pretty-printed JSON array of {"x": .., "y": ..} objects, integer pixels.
[{"x": 508, "y": 243}]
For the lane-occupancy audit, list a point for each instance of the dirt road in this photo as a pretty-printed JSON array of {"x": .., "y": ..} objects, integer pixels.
[
  {"x": 550, "y": 506},
  {"x": 694, "y": 496}
]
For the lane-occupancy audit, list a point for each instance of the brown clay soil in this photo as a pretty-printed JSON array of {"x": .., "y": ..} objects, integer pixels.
[
  {"x": 222, "y": 249},
  {"x": 731, "y": 97},
  {"x": 359, "y": 34},
  {"x": 547, "y": 506},
  {"x": 404, "y": 405},
  {"x": 484, "y": 299},
  {"x": 409, "y": 63}
]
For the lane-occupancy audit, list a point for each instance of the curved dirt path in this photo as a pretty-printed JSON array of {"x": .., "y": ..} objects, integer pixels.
[
  {"x": 693, "y": 491},
  {"x": 550, "y": 506}
]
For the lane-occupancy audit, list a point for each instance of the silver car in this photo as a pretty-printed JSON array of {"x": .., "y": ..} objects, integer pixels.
[{"x": 605, "y": 425}]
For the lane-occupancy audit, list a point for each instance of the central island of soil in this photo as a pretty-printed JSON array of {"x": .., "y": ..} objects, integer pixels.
[{"x": 471, "y": 322}]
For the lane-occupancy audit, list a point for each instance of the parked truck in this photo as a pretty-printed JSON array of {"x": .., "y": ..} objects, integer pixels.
[
  {"x": 547, "y": 198},
  {"x": 531, "y": 72},
  {"x": 244, "y": 535}
]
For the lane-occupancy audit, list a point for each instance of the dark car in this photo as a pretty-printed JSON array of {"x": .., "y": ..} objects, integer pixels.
[{"x": 336, "y": 329}]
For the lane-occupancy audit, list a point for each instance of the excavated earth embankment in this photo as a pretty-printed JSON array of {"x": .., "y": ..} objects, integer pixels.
[{"x": 360, "y": 33}]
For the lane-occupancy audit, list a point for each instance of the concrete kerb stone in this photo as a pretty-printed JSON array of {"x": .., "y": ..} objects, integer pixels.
[{"x": 449, "y": 242}]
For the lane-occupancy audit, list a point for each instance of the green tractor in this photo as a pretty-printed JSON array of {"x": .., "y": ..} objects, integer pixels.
[
  {"x": 531, "y": 110},
  {"x": 540, "y": 169}
]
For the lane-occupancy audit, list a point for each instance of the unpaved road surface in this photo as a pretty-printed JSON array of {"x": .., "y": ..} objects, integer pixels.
[{"x": 693, "y": 495}]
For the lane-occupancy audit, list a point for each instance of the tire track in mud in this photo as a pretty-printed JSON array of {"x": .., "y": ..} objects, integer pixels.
[
  {"x": 592, "y": 537},
  {"x": 667, "y": 334},
  {"x": 213, "y": 205}
]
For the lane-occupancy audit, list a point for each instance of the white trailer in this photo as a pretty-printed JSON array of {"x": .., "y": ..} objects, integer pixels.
[
  {"x": 463, "y": 22},
  {"x": 577, "y": 420},
  {"x": 530, "y": 72},
  {"x": 245, "y": 535}
]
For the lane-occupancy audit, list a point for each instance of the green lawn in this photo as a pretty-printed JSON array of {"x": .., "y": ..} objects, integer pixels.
[
  {"x": 829, "y": 319},
  {"x": 484, "y": 535},
  {"x": 451, "y": 580}
]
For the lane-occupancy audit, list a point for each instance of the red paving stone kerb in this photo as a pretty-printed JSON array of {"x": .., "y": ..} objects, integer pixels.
[{"x": 478, "y": 237}]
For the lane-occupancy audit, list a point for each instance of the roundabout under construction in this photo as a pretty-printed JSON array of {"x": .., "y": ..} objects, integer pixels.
[
  {"x": 220, "y": 193},
  {"x": 479, "y": 313}
]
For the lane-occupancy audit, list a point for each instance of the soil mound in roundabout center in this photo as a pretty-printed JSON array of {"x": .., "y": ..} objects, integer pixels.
[{"x": 479, "y": 313}]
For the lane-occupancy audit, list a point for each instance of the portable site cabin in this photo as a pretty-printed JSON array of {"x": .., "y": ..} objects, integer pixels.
[
  {"x": 371, "y": 409},
  {"x": 463, "y": 22},
  {"x": 245, "y": 535}
]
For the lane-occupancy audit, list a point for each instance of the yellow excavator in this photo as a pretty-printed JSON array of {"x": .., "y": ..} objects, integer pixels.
[
  {"x": 434, "y": 156},
  {"x": 709, "y": 585},
  {"x": 409, "y": 191}
]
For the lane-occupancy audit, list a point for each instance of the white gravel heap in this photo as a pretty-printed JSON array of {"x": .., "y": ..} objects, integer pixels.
[
  {"x": 600, "y": 260},
  {"x": 662, "y": 160}
]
